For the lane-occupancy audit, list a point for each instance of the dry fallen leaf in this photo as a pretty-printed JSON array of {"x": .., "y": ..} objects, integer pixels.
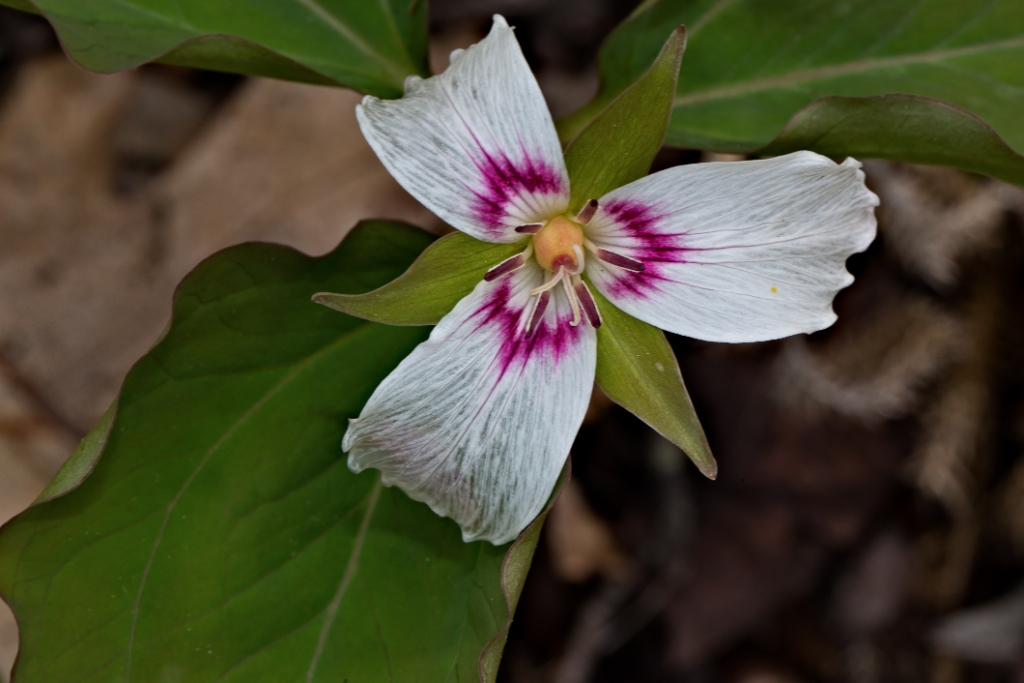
[
  {"x": 582, "y": 545},
  {"x": 876, "y": 370},
  {"x": 932, "y": 217}
]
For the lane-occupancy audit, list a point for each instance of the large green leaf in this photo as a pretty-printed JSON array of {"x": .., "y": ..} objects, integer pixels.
[
  {"x": 220, "y": 535},
  {"x": 751, "y": 65},
  {"x": 370, "y": 46}
]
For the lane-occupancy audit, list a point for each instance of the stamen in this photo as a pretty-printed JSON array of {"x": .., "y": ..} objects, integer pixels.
[
  {"x": 587, "y": 212},
  {"x": 587, "y": 302},
  {"x": 569, "y": 292},
  {"x": 550, "y": 284},
  {"x": 538, "y": 313},
  {"x": 508, "y": 265},
  {"x": 529, "y": 228},
  {"x": 505, "y": 267},
  {"x": 624, "y": 262}
]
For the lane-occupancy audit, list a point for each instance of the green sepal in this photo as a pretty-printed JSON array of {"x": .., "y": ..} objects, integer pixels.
[
  {"x": 446, "y": 272},
  {"x": 619, "y": 144},
  {"x": 901, "y": 128},
  {"x": 637, "y": 369}
]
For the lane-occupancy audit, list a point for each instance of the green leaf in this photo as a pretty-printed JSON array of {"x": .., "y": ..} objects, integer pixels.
[
  {"x": 221, "y": 536},
  {"x": 82, "y": 461},
  {"x": 752, "y": 65},
  {"x": 513, "y": 578},
  {"x": 618, "y": 146},
  {"x": 900, "y": 127},
  {"x": 637, "y": 369},
  {"x": 23, "y": 5},
  {"x": 445, "y": 273},
  {"x": 368, "y": 46}
]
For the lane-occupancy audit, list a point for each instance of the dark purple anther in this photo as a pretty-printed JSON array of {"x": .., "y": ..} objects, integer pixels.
[
  {"x": 588, "y": 304},
  {"x": 505, "y": 267},
  {"x": 621, "y": 261},
  {"x": 538, "y": 313},
  {"x": 529, "y": 228},
  {"x": 587, "y": 212}
]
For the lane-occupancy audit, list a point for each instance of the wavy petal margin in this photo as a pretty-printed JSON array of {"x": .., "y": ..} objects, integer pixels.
[
  {"x": 478, "y": 420},
  {"x": 735, "y": 251},
  {"x": 476, "y": 144}
]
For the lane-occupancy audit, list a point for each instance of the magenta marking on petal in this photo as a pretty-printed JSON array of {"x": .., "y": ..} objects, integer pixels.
[
  {"x": 543, "y": 299},
  {"x": 651, "y": 247},
  {"x": 557, "y": 340},
  {"x": 505, "y": 180}
]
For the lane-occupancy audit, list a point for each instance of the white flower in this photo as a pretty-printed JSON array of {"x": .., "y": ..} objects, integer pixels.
[{"x": 477, "y": 422}]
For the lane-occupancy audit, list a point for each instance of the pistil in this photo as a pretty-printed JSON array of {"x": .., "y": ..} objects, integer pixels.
[
  {"x": 570, "y": 281},
  {"x": 558, "y": 245},
  {"x": 554, "y": 243}
]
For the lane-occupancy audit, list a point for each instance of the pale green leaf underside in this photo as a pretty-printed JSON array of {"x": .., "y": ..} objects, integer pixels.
[
  {"x": 369, "y": 46},
  {"x": 221, "y": 536},
  {"x": 902, "y": 128},
  {"x": 750, "y": 65}
]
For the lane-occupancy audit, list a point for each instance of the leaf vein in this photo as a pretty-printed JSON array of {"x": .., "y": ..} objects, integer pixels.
[
  {"x": 346, "y": 579},
  {"x": 288, "y": 377},
  {"x": 795, "y": 78}
]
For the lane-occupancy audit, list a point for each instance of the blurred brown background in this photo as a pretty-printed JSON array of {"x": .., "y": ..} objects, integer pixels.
[{"x": 868, "y": 524}]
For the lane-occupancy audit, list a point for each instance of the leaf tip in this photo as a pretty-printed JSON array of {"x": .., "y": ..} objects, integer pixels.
[
  {"x": 709, "y": 468},
  {"x": 324, "y": 298},
  {"x": 675, "y": 45},
  {"x": 331, "y": 300},
  {"x": 702, "y": 458}
]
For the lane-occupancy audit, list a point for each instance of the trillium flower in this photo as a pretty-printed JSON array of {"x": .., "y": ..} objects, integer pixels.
[{"x": 478, "y": 420}]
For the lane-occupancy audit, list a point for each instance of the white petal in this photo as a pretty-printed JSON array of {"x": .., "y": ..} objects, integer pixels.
[
  {"x": 735, "y": 251},
  {"x": 476, "y": 144},
  {"x": 477, "y": 422}
]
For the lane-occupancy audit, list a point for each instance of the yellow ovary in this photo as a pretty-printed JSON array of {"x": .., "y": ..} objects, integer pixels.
[{"x": 553, "y": 244}]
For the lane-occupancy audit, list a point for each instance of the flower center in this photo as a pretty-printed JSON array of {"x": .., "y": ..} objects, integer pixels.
[
  {"x": 558, "y": 247},
  {"x": 553, "y": 244}
]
